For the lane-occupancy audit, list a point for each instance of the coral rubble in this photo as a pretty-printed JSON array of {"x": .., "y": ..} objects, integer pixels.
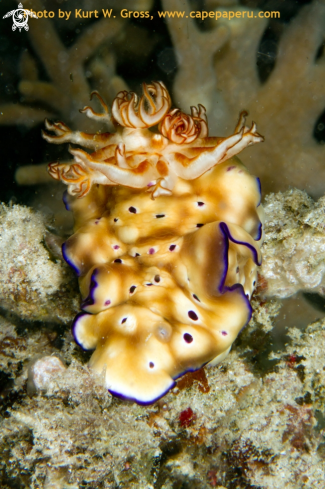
[
  {"x": 32, "y": 284},
  {"x": 294, "y": 248}
]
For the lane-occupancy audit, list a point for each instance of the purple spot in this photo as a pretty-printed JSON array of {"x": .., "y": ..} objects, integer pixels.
[
  {"x": 116, "y": 247},
  {"x": 123, "y": 320},
  {"x": 230, "y": 168},
  {"x": 188, "y": 337},
  {"x": 132, "y": 289},
  {"x": 192, "y": 315},
  {"x": 200, "y": 204},
  {"x": 148, "y": 284},
  {"x": 196, "y": 298},
  {"x": 150, "y": 184},
  {"x": 107, "y": 303},
  {"x": 254, "y": 283},
  {"x": 199, "y": 225},
  {"x": 157, "y": 278},
  {"x": 118, "y": 260},
  {"x": 224, "y": 333},
  {"x": 172, "y": 247},
  {"x": 137, "y": 254},
  {"x": 115, "y": 219},
  {"x": 151, "y": 251},
  {"x": 158, "y": 216},
  {"x": 151, "y": 365},
  {"x": 96, "y": 222},
  {"x": 247, "y": 295},
  {"x": 133, "y": 210}
]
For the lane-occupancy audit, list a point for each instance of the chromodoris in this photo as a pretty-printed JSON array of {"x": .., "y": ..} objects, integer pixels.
[{"x": 168, "y": 230}]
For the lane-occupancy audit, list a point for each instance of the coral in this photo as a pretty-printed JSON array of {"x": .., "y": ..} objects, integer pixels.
[
  {"x": 69, "y": 80},
  {"x": 231, "y": 48},
  {"x": 62, "y": 64},
  {"x": 166, "y": 246},
  {"x": 294, "y": 248},
  {"x": 32, "y": 285},
  {"x": 289, "y": 134}
]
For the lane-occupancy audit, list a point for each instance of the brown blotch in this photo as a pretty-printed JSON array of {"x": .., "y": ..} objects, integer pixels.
[
  {"x": 162, "y": 168},
  {"x": 95, "y": 137},
  {"x": 299, "y": 432},
  {"x": 111, "y": 161},
  {"x": 198, "y": 377},
  {"x": 200, "y": 437},
  {"x": 103, "y": 153},
  {"x": 142, "y": 168},
  {"x": 262, "y": 286},
  {"x": 158, "y": 143},
  {"x": 182, "y": 159}
]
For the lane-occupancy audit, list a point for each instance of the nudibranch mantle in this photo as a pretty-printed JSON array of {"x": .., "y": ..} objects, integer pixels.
[{"x": 168, "y": 230}]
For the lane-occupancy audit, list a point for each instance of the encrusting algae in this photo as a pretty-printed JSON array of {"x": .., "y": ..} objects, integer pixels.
[{"x": 168, "y": 229}]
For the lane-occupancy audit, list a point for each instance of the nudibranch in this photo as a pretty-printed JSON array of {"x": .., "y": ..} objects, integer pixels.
[{"x": 168, "y": 230}]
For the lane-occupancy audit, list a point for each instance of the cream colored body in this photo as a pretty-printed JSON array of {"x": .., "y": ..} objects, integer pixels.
[{"x": 166, "y": 246}]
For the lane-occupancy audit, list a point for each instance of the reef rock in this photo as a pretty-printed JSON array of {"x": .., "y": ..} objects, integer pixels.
[
  {"x": 33, "y": 284},
  {"x": 294, "y": 247}
]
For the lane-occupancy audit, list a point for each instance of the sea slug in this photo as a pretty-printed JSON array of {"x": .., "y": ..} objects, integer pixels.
[{"x": 168, "y": 229}]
